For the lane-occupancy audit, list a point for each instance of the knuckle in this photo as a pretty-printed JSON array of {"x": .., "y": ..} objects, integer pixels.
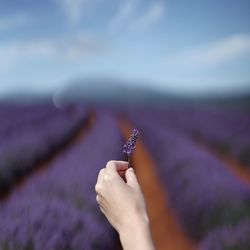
[
  {"x": 98, "y": 188},
  {"x": 110, "y": 163},
  {"x": 97, "y": 199},
  {"x": 101, "y": 173},
  {"x": 107, "y": 177}
]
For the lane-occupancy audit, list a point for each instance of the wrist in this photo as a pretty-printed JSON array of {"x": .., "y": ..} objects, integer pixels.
[
  {"x": 137, "y": 220},
  {"x": 135, "y": 234}
]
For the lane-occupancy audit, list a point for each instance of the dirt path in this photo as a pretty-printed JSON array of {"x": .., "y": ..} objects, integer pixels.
[
  {"x": 237, "y": 169},
  {"x": 43, "y": 165},
  {"x": 167, "y": 233},
  {"x": 241, "y": 172}
]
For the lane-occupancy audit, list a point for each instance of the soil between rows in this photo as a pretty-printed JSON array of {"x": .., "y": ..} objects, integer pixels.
[
  {"x": 166, "y": 231},
  {"x": 43, "y": 165}
]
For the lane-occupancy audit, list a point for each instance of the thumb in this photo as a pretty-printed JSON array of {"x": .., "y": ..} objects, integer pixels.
[{"x": 131, "y": 178}]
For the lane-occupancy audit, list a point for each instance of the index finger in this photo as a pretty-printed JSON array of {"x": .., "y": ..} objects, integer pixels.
[{"x": 116, "y": 166}]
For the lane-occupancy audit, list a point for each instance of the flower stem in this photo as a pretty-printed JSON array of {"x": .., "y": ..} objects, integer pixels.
[{"x": 129, "y": 161}]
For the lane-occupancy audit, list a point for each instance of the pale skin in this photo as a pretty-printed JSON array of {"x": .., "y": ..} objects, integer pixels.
[{"x": 121, "y": 200}]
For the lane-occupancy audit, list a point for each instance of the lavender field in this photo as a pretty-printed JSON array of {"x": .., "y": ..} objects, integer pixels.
[
  {"x": 54, "y": 207},
  {"x": 211, "y": 203}
]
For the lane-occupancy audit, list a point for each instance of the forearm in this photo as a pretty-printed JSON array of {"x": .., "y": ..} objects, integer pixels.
[{"x": 136, "y": 235}]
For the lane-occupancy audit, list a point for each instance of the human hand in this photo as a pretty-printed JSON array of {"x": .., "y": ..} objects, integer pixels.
[{"x": 120, "y": 197}]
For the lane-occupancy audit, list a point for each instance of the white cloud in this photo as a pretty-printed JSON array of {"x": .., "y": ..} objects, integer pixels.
[
  {"x": 125, "y": 11},
  {"x": 152, "y": 16},
  {"x": 213, "y": 54},
  {"x": 12, "y": 22},
  {"x": 74, "y": 9},
  {"x": 76, "y": 49},
  {"x": 127, "y": 17},
  {"x": 81, "y": 46}
]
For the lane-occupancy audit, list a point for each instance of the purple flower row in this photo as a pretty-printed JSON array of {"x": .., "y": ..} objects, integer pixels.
[
  {"x": 204, "y": 194},
  {"x": 22, "y": 149},
  {"x": 57, "y": 209},
  {"x": 226, "y": 131},
  {"x": 228, "y": 238},
  {"x": 16, "y": 117}
]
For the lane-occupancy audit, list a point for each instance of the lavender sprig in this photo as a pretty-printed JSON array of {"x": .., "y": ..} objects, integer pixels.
[{"x": 129, "y": 146}]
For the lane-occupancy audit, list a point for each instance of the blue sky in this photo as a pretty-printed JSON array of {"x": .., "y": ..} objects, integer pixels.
[{"x": 186, "y": 47}]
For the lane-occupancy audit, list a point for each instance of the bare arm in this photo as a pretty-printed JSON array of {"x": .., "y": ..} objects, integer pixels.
[{"x": 123, "y": 205}]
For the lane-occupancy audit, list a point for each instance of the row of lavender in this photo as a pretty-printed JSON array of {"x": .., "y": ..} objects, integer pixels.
[
  {"x": 14, "y": 117},
  {"x": 225, "y": 130},
  {"x": 22, "y": 148},
  {"x": 206, "y": 197},
  {"x": 57, "y": 209}
]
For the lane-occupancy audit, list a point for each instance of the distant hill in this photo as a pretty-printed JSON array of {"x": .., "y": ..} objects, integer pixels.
[
  {"x": 112, "y": 92},
  {"x": 25, "y": 98},
  {"x": 117, "y": 92}
]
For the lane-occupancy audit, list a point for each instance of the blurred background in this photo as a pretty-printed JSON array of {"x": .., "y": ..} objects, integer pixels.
[
  {"x": 76, "y": 74},
  {"x": 192, "y": 48}
]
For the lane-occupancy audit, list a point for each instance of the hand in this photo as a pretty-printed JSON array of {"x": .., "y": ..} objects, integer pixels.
[
  {"x": 121, "y": 200},
  {"x": 120, "y": 197}
]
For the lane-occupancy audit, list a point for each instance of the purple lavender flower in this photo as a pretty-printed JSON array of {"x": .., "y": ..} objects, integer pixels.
[{"x": 129, "y": 146}]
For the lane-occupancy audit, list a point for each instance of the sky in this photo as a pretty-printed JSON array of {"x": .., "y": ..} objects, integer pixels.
[{"x": 183, "y": 47}]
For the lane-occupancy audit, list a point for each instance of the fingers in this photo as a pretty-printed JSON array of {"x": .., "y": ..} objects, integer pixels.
[
  {"x": 101, "y": 205},
  {"x": 98, "y": 199},
  {"x": 116, "y": 166},
  {"x": 99, "y": 202},
  {"x": 117, "y": 169},
  {"x": 100, "y": 175},
  {"x": 102, "y": 210},
  {"x": 131, "y": 178},
  {"x": 122, "y": 174},
  {"x": 113, "y": 170},
  {"x": 98, "y": 186}
]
